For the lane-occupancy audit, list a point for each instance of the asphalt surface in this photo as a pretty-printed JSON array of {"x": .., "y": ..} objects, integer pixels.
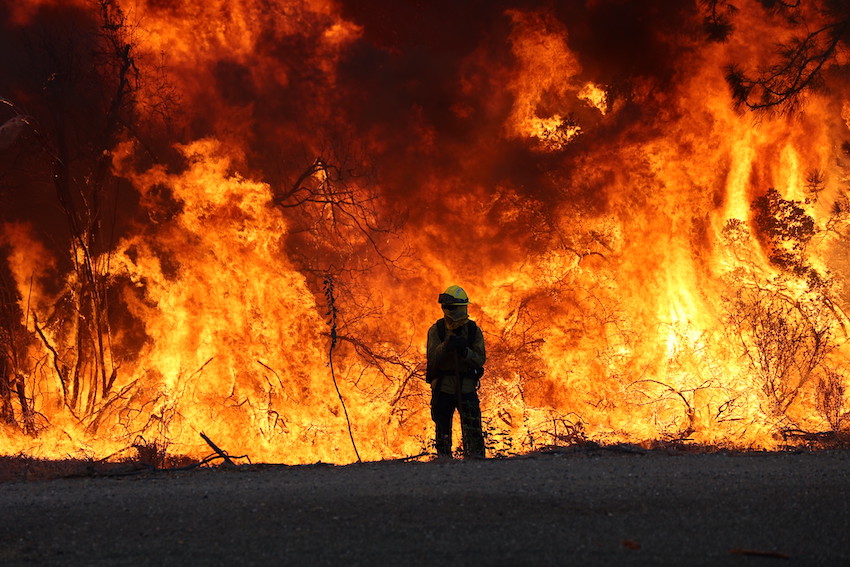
[{"x": 599, "y": 508}]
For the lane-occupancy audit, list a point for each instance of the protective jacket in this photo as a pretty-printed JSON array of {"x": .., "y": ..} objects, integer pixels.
[{"x": 450, "y": 363}]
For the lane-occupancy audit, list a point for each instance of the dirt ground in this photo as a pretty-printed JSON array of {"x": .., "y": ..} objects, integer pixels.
[{"x": 601, "y": 507}]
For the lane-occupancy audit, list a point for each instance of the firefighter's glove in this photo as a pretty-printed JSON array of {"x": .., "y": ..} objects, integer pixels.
[{"x": 459, "y": 344}]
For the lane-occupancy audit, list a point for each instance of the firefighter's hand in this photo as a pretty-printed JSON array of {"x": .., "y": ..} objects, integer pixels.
[{"x": 458, "y": 343}]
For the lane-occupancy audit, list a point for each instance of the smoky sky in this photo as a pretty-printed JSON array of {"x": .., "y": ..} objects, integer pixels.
[
  {"x": 397, "y": 100},
  {"x": 414, "y": 55},
  {"x": 421, "y": 95},
  {"x": 32, "y": 59}
]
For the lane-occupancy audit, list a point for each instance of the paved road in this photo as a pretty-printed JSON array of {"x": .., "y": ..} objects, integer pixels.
[{"x": 598, "y": 508}]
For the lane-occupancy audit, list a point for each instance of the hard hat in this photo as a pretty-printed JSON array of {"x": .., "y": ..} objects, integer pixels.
[{"x": 454, "y": 295}]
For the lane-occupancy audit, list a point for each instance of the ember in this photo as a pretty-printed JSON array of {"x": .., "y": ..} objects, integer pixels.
[{"x": 648, "y": 201}]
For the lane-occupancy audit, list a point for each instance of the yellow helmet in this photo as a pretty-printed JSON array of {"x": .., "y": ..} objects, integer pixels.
[{"x": 454, "y": 295}]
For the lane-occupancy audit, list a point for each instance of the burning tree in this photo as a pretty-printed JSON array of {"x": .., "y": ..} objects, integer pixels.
[
  {"x": 800, "y": 63},
  {"x": 86, "y": 101},
  {"x": 786, "y": 341},
  {"x": 787, "y": 325}
]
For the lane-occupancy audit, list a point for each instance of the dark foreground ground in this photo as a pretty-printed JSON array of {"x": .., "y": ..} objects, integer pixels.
[{"x": 596, "y": 508}]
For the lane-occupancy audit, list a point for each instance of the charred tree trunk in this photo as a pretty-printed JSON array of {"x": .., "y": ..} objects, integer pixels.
[
  {"x": 7, "y": 413},
  {"x": 27, "y": 414}
]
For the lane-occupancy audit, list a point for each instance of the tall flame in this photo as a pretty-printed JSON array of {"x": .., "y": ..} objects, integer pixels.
[{"x": 647, "y": 262}]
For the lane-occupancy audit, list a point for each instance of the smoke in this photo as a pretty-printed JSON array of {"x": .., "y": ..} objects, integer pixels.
[
  {"x": 422, "y": 92},
  {"x": 424, "y": 89}
]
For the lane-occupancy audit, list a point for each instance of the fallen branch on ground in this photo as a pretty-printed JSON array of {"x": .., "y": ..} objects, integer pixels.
[{"x": 227, "y": 460}]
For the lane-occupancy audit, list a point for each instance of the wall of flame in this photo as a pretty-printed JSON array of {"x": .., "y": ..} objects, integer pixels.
[{"x": 574, "y": 168}]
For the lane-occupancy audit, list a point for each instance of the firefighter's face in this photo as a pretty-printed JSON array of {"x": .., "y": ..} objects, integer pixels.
[{"x": 455, "y": 312}]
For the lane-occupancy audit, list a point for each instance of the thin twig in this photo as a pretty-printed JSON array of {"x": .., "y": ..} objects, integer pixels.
[{"x": 329, "y": 295}]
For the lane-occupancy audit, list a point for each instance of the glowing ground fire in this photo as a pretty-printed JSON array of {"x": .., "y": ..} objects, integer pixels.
[{"x": 196, "y": 198}]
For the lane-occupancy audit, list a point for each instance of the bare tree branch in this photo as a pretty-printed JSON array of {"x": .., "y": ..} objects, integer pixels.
[{"x": 800, "y": 67}]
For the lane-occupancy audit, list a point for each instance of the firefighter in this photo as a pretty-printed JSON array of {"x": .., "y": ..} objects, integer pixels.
[{"x": 456, "y": 359}]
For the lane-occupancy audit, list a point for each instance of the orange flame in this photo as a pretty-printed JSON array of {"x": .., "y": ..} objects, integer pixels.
[{"x": 612, "y": 245}]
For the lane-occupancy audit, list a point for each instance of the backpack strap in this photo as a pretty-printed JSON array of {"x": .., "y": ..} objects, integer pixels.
[
  {"x": 471, "y": 329},
  {"x": 441, "y": 329}
]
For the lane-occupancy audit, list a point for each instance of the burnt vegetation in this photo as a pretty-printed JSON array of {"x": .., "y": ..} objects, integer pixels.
[
  {"x": 81, "y": 104},
  {"x": 80, "y": 89},
  {"x": 789, "y": 326}
]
